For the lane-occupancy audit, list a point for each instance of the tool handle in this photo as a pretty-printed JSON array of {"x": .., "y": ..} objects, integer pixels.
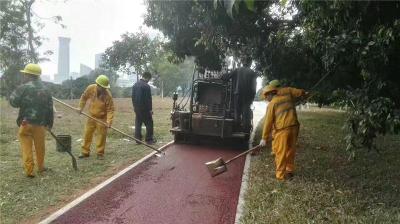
[
  {"x": 320, "y": 81},
  {"x": 105, "y": 124},
  {"x": 242, "y": 154},
  {"x": 74, "y": 163}
]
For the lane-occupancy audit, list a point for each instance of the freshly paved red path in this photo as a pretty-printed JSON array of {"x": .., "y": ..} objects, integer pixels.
[{"x": 176, "y": 188}]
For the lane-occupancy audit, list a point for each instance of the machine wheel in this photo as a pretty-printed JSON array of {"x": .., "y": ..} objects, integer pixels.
[{"x": 179, "y": 137}]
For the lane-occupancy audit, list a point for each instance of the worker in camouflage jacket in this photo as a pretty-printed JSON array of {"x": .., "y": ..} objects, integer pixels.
[{"x": 35, "y": 115}]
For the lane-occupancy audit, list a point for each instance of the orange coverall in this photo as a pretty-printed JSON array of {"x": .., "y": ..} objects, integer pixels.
[
  {"x": 281, "y": 120},
  {"x": 102, "y": 108}
]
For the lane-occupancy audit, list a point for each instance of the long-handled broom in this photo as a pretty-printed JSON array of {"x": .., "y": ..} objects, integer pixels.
[{"x": 115, "y": 129}]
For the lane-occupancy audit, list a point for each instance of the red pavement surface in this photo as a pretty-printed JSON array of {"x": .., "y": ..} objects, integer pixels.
[{"x": 176, "y": 188}]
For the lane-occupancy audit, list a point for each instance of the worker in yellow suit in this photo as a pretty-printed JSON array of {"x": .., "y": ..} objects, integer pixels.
[
  {"x": 101, "y": 106},
  {"x": 281, "y": 91},
  {"x": 281, "y": 120}
]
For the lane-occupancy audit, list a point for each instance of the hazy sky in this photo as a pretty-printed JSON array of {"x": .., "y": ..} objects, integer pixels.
[{"x": 92, "y": 26}]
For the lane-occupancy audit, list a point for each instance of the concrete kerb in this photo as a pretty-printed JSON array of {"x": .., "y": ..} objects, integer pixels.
[
  {"x": 246, "y": 169},
  {"x": 86, "y": 195},
  {"x": 243, "y": 190}
]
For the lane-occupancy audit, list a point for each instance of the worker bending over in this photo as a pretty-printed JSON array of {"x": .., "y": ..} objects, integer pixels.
[
  {"x": 281, "y": 121},
  {"x": 35, "y": 115},
  {"x": 101, "y": 106}
]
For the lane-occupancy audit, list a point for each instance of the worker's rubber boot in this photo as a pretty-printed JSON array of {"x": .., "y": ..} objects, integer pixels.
[
  {"x": 44, "y": 169},
  {"x": 82, "y": 156},
  {"x": 152, "y": 141},
  {"x": 289, "y": 176}
]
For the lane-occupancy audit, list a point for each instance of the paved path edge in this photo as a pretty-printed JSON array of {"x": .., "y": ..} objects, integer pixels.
[
  {"x": 243, "y": 190},
  {"x": 89, "y": 193},
  {"x": 246, "y": 172}
]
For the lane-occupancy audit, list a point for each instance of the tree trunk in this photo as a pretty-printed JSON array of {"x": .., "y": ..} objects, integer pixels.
[
  {"x": 31, "y": 49},
  {"x": 162, "y": 89}
]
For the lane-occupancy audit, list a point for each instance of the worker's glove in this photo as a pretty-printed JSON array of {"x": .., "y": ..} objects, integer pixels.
[{"x": 262, "y": 143}]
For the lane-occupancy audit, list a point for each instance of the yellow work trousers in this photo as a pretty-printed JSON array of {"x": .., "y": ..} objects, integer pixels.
[
  {"x": 284, "y": 146},
  {"x": 101, "y": 134},
  {"x": 32, "y": 135}
]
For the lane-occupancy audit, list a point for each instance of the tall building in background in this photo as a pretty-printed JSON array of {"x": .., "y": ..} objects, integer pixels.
[
  {"x": 85, "y": 70},
  {"x": 98, "y": 60},
  {"x": 74, "y": 75},
  {"x": 63, "y": 59}
]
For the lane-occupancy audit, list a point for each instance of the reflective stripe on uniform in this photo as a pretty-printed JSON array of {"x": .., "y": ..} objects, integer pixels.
[
  {"x": 284, "y": 110},
  {"x": 280, "y": 113},
  {"x": 284, "y": 94},
  {"x": 284, "y": 102}
]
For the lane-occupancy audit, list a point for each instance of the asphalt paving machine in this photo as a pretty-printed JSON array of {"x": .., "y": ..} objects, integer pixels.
[{"x": 219, "y": 107}]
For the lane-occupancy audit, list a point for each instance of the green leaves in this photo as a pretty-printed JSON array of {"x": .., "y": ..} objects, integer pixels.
[
  {"x": 228, "y": 6},
  {"x": 369, "y": 115},
  {"x": 133, "y": 53},
  {"x": 283, "y": 2},
  {"x": 250, "y": 4},
  {"x": 18, "y": 41}
]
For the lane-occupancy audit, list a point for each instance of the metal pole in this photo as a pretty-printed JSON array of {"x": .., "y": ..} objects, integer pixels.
[
  {"x": 162, "y": 89},
  {"x": 70, "y": 92}
]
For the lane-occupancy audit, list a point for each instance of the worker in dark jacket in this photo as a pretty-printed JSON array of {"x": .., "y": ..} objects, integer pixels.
[
  {"x": 35, "y": 115},
  {"x": 142, "y": 105}
]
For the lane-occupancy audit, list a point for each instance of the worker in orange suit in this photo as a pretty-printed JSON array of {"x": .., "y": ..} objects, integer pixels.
[
  {"x": 101, "y": 106},
  {"x": 281, "y": 120},
  {"x": 35, "y": 116}
]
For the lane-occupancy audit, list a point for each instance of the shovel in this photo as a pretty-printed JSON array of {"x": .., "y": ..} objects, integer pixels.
[
  {"x": 66, "y": 149},
  {"x": 115, "y": 129},
  {"x": 218, "y": 166}
]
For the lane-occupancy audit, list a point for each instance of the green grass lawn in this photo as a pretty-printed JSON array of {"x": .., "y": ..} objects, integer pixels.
[
  {"x": 28, "y": 200},
  {"x": 327, "y": 188}
]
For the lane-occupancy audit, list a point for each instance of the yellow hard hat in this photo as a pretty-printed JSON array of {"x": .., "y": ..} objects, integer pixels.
[
  {"x": 267, "y": 89},
  {"x": 275, "y": 83},
  {"x": 33, "y": 69},
  {"x": 103, "y": 81}
]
